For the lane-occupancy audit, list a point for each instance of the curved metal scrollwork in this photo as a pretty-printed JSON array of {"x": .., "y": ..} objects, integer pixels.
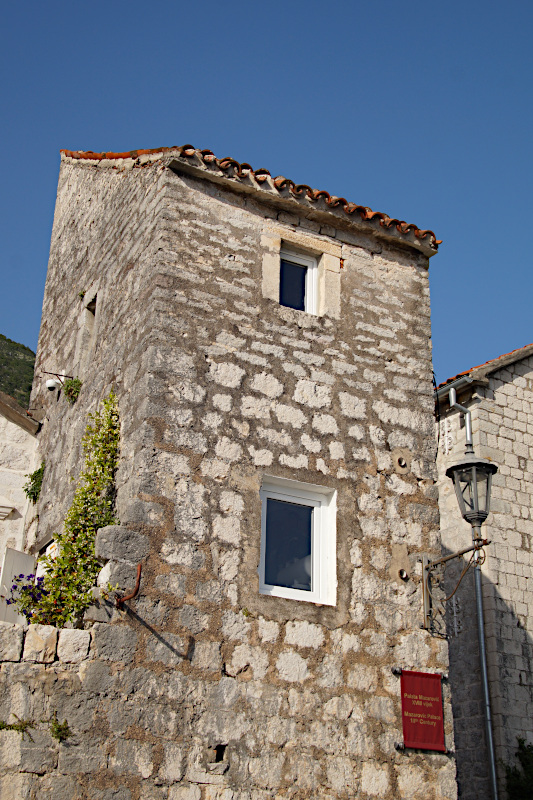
[{"x": 433, "y": 594}]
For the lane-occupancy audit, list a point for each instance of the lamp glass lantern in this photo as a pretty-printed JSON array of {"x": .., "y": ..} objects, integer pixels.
[{"x": 472, "y": 480}]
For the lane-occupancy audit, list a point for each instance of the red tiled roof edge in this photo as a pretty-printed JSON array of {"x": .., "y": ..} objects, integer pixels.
[
  {"x": 260, "y": 175},
  {"x": 493, "y": 364}
]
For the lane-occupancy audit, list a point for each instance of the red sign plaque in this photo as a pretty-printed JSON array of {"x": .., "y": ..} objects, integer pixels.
[{"x": 422, "y": 716}]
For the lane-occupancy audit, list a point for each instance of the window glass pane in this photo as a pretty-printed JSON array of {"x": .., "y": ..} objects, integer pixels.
[
  {"x": 292, "y": 285},
  {"x": 288, "y": 545}
]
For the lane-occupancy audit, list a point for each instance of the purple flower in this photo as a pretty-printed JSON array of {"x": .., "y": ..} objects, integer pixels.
[{"x": 14, "y": 587}]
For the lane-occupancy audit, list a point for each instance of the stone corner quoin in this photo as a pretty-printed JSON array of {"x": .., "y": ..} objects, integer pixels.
[{"x": 160, "y": 286}]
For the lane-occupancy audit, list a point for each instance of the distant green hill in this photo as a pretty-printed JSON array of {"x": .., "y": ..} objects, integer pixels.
[{"x": 16, "y": 370}]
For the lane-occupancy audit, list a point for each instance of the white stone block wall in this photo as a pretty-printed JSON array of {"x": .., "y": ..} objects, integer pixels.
[
  {"x": 502, "y": 417},
  {"x": 18, "y": 457}
]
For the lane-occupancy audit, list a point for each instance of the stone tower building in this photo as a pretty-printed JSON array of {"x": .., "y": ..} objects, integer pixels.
[
  {"x": 499, "y": 395},
  {"x": 270, "y": 349}
]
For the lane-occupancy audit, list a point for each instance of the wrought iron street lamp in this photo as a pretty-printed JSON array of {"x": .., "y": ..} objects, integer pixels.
[{"x": 472, "y": 479}]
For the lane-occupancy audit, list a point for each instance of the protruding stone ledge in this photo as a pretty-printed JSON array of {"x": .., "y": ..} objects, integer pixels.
[
  {"x": 120, "y": 550},
  {"x": 117, "y": 543}
]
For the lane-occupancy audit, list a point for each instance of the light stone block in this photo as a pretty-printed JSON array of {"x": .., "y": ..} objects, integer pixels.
[
  {"x": 222, "y": 402},
  {"x": 40, "y": 644},
  {"x": 172, "y": 766},
  {"x": 73, "y": 645},
  {"x": 313, "y": 445},
  {"x": 245, "y": 656},
  {"x": 331, "y": 294},
  {"x": 312, "y": 394},
  {"x": 411, "y": 782},
  {"x": 325, "y": 423},
  {"x": 268, "y": 629},
  {"x": 292, "y": 667},
  {"x": 261, "y": 458},
  {"x": 231, "y": 502},
  {"x": 290, "y": 415},
  {"x": 375, "y": 779},
  {"x": 255, "y": 407},
  {"x": 271, "y": 273},
  {"x": 228, "y": 529},
  {"x": 227, "y": 374},
  {"x": 336, "y": 450},
  {"x": 352, "y": 406},
  {"x": 267, "y": 384},
  {"x": 11, "y": 641},
  {"x": 296, "y": 462},
  {"x": 304, "y": 634},
  {"x": 228, "y": 450}
]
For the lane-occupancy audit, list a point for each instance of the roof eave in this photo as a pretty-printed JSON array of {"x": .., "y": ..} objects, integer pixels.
[
  {"x": 11, "y": 410},
  {"x": 490, "y": 367},
  {"x": 267, "y": 192}
]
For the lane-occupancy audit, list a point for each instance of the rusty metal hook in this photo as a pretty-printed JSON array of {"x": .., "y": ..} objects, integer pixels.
[{"x": 121, "y": 600}]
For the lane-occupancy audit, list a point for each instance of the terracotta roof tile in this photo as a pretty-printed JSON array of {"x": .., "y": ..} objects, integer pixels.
[
  {"x": 494, "y": 363},
  {"x": 281, "y": 184}
]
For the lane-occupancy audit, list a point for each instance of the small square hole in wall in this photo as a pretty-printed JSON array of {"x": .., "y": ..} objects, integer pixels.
[
  {"x": 220, "y": 751},
  {"x": 298, "y": 281}
]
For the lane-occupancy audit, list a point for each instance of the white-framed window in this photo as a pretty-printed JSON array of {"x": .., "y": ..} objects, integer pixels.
[
  {"x": 298, "y": 541},
  {"x": 298, "y": 281}
]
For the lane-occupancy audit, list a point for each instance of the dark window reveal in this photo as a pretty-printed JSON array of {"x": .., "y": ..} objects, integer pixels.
[
  {"x": 292, "y": 285},
  {"x": 288, "y": 545}
]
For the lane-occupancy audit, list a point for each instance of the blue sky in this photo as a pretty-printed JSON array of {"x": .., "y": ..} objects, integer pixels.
[{"x": 422, "y": 110}]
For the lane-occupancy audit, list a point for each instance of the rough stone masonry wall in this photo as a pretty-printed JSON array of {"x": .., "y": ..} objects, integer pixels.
[
  {"x": 502, "y": 416},
  {"x": 104, "y": 243},
  {"x": 204, "y": 689}
]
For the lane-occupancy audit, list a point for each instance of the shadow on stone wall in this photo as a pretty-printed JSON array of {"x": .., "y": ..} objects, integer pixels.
[{"x": 510, "y": 668}]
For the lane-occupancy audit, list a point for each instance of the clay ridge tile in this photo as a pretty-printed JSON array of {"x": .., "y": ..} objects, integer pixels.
[{"x": 262, "y": 175}]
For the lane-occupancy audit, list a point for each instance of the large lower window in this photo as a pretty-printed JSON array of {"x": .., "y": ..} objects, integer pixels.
[{"x": 298, "y": 541}]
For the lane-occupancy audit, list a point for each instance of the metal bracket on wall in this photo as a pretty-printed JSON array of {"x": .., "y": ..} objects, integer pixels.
[
  {"x": 431, "y": 580},
  {"x": 121, "y": 600}
]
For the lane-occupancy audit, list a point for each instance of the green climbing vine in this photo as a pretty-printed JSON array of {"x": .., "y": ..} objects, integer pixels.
[
  {"x": 72, "y": 389},
  {"x": 32, "y": 487},
  {"x": 65, "y": 591}
]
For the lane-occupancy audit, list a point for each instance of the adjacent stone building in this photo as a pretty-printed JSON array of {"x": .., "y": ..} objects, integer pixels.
[
  {"x": 270, "y": 349},
  {"x": 18, "y": 454},
  {"x": 499, "y": 395}
]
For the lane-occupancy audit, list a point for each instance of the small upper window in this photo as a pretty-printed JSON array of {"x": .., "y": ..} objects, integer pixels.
[
  {"x": 298, "y": 281},
  {"x": 86, "y": 336},
  {"x": 91, "y": 307},
  {"x": 298, "y": 541}
]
